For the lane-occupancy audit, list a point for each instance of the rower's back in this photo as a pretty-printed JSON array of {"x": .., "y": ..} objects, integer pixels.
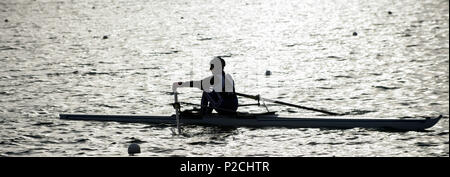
[{"x": 222, "y": 87}]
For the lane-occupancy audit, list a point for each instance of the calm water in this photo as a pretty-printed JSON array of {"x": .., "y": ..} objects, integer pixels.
[{"x": 120, "y": 57}]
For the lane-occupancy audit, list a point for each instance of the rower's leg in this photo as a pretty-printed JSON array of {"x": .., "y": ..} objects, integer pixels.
[
  {"x": 205, "y": 109},
  {"x": 229, "y": 106}
]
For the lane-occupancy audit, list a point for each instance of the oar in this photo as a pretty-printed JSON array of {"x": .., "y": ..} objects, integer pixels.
[
  {"x": 194, "y": 104},
  {"x": 176, "y": 105},
  {"x": 257, "y": 97}
]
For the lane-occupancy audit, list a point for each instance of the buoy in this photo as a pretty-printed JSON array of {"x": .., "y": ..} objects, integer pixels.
[
  {"x": 268, "y": 73},
  {"x": 6, "y": 20},
  {"x": 389, "y": 12},
  {"x": 355, "y": 34},
  {"x": 134, "y": 149}
]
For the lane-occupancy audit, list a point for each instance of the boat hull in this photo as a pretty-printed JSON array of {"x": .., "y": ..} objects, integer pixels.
[{"x": 266, "y": 121}]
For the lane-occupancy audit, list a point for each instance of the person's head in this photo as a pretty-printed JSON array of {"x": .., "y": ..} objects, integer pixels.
[{"x": 217, "y": 65}]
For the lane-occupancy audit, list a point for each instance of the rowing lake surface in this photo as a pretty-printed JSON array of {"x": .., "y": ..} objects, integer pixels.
[{"x": 363, "y": 58}]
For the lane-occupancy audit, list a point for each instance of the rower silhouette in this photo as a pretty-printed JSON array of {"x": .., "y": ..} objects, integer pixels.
[{"x": 218, "y": 90}]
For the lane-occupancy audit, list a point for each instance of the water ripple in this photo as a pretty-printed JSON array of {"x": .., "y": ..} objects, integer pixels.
[{"x": 371, "y": 64}]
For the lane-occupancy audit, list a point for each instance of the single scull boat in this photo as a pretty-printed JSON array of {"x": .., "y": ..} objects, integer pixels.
[{"x": 268, "y": 119}]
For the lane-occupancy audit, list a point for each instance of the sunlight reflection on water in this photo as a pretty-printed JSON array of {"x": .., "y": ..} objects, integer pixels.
[{"x": 121, "y": 58}]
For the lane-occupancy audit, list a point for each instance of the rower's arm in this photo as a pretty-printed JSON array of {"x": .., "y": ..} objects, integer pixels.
[
  {"x": 196, "y": 84},
  {"x": 200, "y": 84}
]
